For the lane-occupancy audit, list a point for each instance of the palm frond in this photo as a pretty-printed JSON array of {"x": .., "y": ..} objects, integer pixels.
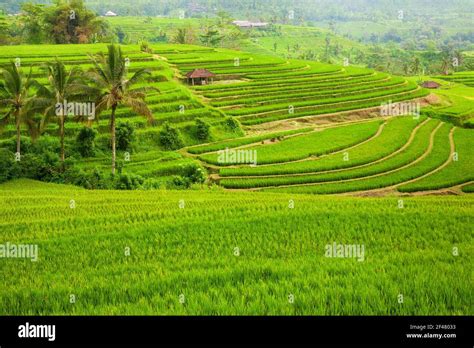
[
  {"x": 139, "y": 107},
  {"x": 138, "y": 76}
]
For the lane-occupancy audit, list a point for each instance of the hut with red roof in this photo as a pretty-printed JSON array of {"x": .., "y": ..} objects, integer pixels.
[{"x": 200, "y": 77}]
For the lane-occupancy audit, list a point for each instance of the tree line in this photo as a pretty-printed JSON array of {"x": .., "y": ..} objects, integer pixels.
[
  {"x": 62, "y": 22},
  {"x": 106, "y": 85}
]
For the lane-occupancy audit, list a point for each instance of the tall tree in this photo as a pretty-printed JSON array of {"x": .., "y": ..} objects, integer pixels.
[
  {"x": 445, "y": 63},
  {"x": 416, "y": 65},
  {"x": 63, "y": 87},
  {"x": 210, "y": 37},
  {"x": 66, "y": 21},
  {"x": 16, "y": 97},
  {"x": 180, "y": 36},
  {"x": 33, "y": 27},
  {"x": 113, "y": 87},
  {"x": 328, "y": 44}
]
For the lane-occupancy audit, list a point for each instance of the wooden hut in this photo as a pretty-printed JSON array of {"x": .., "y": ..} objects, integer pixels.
[
  {"x": 430, "y": 84},
  {"x": 200, "y": 77}
]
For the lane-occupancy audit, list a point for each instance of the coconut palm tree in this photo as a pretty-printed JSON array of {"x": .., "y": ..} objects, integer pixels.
[
  {"x": 16, "y": 97},
  {"x": 109, "y": 75},
  {"x": 415, "y": 66},
  {"x": 445, "y": 63},
  {"x": 63, "y": 87}
]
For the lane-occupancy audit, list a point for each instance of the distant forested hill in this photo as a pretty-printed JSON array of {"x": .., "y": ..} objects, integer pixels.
[{"x": 309, "y": 10}]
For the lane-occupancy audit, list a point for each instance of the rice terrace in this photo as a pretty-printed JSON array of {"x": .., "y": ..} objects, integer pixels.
[{"x": 168, "y": 170}]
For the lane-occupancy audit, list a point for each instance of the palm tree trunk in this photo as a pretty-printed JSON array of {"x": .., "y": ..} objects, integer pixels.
[
  {"x": 61, "y": 135},
  {"x": 18, "y": 134},
  {"x": 112, "y": 129}
]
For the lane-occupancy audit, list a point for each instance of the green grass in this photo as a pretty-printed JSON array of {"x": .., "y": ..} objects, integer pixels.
[
  {"x": 190, "y": 251},
  {"x": 301, "y": 95},
  {"x": 294, "y": 41}
]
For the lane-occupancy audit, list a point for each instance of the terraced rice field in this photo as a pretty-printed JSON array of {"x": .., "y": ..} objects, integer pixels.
[
  {"x": 237, "y": 253},
  {"x": 402, "y": 154},
  {"x": 456, "y": 105},
  {"x": 464, "y": 77},
  {"x": 367, "y": 155},
  {"x": 346, "y": 155},
  {"x": 278, "y": 89}
]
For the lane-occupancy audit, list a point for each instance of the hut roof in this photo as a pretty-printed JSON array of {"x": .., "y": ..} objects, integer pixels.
[
  {"x": 430, "y": 84},
  {"x": 197, "y": 73}
]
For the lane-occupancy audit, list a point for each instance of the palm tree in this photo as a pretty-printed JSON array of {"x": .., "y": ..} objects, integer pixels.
[
  {"x": 328, "y": 44},
  {"x": 63, "y": 86},
  {"x": 406, "y": 69},
  {"x": 415, "y": 67},
  {"x": 445, "y": 63},
  {"x": 16, "y": 97},
  {"x": 109, "y": 75}
]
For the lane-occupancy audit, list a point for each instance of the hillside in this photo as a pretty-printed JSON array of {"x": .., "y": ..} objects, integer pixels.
[{"x": 315, "y": 127}]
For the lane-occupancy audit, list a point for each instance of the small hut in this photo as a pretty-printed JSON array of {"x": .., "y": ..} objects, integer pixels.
[
  {"x": 430, "y": 84},
  {"x": 200, "y": 77}
]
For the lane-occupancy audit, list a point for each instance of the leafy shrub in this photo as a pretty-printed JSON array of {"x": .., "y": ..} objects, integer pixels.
[
  {"x": 202, "y": 129},
  {"x": 45, "y": 144},
  {"x": 125, "y": 134},
  {"x": 44, "y": 166},
  {"x": 179, "y": 183},
  {"x": 170, "y": 137},
  {"x": 129, "y": 182},
  {"x": 191, "y": 174},
  {"x": 194, "y": 173},
  {"x": 145, "y": 46},
  {"x": 232, "y": 124},
  {"x": 75, "y": 176},
  {"x": 151, "y": 184},
  {"x": 7, "y": 163},
  {"x": 26, "y": 144},
  {"x": 85, "y": 144}
]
